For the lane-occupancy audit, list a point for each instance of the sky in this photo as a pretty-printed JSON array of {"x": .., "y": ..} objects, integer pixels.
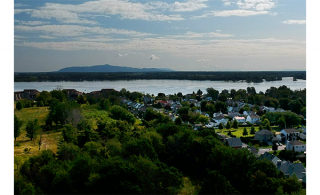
[{"x": 187, "y": 35}]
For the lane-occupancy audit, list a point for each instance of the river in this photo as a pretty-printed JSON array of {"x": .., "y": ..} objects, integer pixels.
[{"x": 157, "y": 86}]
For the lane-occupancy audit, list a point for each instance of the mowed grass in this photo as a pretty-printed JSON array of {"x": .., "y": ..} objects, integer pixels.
[
  {"x": 49, "y": 139},
  {"x": 237, "y": 132}
]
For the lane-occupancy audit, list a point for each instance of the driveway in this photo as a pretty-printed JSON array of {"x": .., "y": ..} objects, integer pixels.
[{"x": 263, "y": 150}]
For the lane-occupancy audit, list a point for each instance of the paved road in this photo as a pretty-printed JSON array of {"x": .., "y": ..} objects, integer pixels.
[{"x": 263, "y": 150}]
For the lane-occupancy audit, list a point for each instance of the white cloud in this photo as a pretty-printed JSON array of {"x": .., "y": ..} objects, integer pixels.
[
  {"x": 186, "y": 6},
  {"x": 20, "y": 5},
  {"x": 190, "y": 35},
  {"x": 31, "y": 23},
  {"x": 227, "y": 3},
  {"x": 153, "y": 57},
  {"x": 76, "y": 30},
  {"x": 258, "y": 5},
  {"x": 188, "y": 48},
  {"x": 120, "y": 55},
  {"x": 294, "y": 22},
  {"x": 238, "y": 12},
  {"x": 68, "y": 13},
  {"x": 18, "y": 11},
  {"x": 47, "y": 37},
  {"x": 19, "y": 37},
  {"x": 203, "y": 60}
]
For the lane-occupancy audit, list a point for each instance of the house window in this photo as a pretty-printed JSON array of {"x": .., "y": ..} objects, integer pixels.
[
  {"x": 296, "y": 146},
  {"x": 302, "y": 146}
]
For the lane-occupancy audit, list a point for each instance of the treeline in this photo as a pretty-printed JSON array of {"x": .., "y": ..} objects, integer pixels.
[
  {"x": 107, "y": 152},
  {"x": 255, "y": 77}
]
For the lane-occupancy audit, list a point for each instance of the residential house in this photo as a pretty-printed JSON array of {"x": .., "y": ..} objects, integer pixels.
[
  {"x": 72, "y": 93},
  {"x": 297, "y": 146},
  {"x": 264, "y": 136},
  {"x": 271, "y": 157},
  {"x": 197, "y": 127},
  {"x": 253, "y": 119},
  {"x": 290, "y": 169},
  {"x": 240, "y": 119},
  {"x": 219, "y": 119},
  {"x": 246, "y": 113},
  {"x": 233, "y": 114},
  {"x": 234, "y": 142},
  {"x": 29, "y": 94},
  {"x": 205, "y": 114},
  {"x": 148, "y": 100},
  {"x": 289, "y": 134}
]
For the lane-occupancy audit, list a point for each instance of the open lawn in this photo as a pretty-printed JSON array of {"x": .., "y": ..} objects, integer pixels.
[
  {"x": 238, "y": 132},
  {"x": 50, "y": 139}
]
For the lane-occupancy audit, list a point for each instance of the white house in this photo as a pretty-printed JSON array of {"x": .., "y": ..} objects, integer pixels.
[
  {"x": 217, "y": 119},
  {"x": 246, "y": 113},
  {"x": 290, "y": 134},
  {"x": 253, "y": 118},
  {"x": 240, "y": 119},
  {"x": 296, "y": 146}
]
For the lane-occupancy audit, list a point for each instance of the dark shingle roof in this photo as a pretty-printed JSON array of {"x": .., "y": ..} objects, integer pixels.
[
  {"x": 234, "y": 142},
  {"x": 293, "y": 168},
  {"x": 291, "y": 131},
  {"x": 296, "y": 143},
  {"x": 264, "y": 132}
]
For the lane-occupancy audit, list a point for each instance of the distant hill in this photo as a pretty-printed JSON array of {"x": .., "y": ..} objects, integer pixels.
[{"x": 109, "y": 68}]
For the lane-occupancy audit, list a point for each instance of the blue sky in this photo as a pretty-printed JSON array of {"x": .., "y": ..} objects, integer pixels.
[{"x": 189, "y": 35}]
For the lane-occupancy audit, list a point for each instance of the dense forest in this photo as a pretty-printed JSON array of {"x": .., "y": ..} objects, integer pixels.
[
  {"x": 104, "y": 149},
  {"x": 255, "y": 77}
]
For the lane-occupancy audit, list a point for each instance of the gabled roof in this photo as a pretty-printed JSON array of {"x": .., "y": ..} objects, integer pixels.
[
  {"x": 253, "y": 150},
  {"x": 254, "y": 116},
  {"x": 296, "y": 143},
  {"x": 291, "y": 131},
  {"x": 264, "y": 132},
  {"x": 293, "y": 168},
  {"x": 234, "y": 142},
  {"x": 269, "y": 157}
]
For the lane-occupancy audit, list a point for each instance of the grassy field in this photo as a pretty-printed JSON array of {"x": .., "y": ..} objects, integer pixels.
[
  {"x": 238, "y": 132},
  {"x": 50, "y": 139}
]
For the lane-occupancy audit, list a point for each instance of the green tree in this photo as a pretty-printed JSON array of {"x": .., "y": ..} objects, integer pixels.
[
  {"x": 252, "y": 130},
  {"x": 199, "y": 92},
  {"x": 260, "y": 127},
  {"x": 31, "y": 128},
  {"x": 212, "y": 93},
  {"x": 19, "y": 105},
  {"x": 295, "y": 106},
  {"x": 228, "y": 126},
  {"x": 235, "y": 124},
  {"x": 245, "y": 132},
  {"x": 215, "y": 183},
  {"x": 17, "y": 127},
  {"x": 220, "y": 106},
  {"x": 268, "y": 127},
  {"x": 203, "y": 105},
  {"x": 178, "y": 121},
  {"x": 203, "y": 119},
  {"x": 220, "y": 126}
]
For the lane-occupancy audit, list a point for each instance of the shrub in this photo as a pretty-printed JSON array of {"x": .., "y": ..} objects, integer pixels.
[
  {"x": 19, "y": 105},
  {"x": 18, "y": 144}
]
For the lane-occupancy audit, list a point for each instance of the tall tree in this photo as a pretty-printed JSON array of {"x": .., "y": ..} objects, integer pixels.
[
  {"x": 252, "y": 130},
  {"x": 212, "y": 93},
  {"x": 17, "y": 127},
  {"x": 199, "y": 92},
  {"x": 235, "y": 124},
  {"x": 220, "y": 126},
  {"x": 228, "y": 125},
  {"x": 31, "y": 128},
  {"x": 245, "y": 132}
]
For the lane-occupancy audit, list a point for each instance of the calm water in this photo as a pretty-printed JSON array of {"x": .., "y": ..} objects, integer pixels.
[{"x": 156, "y": 86}]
